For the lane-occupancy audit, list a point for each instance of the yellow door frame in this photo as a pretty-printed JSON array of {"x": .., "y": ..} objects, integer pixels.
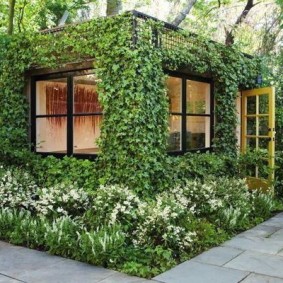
[{"x": 270, "y": 91}]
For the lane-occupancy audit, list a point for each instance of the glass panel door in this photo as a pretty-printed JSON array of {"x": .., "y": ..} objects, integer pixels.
[{"x": 258, "y": 132}]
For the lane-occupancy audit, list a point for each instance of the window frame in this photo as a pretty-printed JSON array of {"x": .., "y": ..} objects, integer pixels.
[
  {"x": 183, "y": 114},
  {"x": 69, "y": 75}
]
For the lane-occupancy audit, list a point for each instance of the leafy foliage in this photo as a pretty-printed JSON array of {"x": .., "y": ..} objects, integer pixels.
[{"x": 131, "y": 91}]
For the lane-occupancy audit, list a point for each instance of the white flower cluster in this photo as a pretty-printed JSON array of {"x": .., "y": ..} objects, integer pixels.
[
  {"x": 165, "y": 221},
  {"x": 18, "y": 190},
  {"x": 115, "y": 204},
  {"x": 197, "y": 196},
  {"x": 62, "y": 199}
]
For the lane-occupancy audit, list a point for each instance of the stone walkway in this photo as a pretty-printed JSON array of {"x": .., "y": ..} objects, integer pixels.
[{"x": 255, "y": 256}]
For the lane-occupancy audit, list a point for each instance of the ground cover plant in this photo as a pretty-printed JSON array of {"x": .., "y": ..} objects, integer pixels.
[{"x": 120, "y": 228}]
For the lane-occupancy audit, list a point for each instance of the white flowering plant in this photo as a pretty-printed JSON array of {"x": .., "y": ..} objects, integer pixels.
[
  {"x": 104, "y": 246},
  {"x": 62, "y": 199},
  {"x": 17, "y": 189},
  {"x": 113, "y": 204},
  {"x": 113, "y": 226},
  {"x": 165, "y": 222}
]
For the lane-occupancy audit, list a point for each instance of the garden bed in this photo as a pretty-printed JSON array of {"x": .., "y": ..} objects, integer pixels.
[{"x": 121, "y": 228}]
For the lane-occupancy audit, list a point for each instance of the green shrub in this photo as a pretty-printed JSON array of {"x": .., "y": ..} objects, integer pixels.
[
  {"x": 104, "y": 246},
  {"x": 60, "y": 236},
  {"x": 200, "y": 165},
  {"x": 51, "y": 170},
  {"x": 28, "y": 231},
  {"x": 147, "y": 261},
  {"x": 113, "y": 204},
  {"x": 262, "y": 205}
]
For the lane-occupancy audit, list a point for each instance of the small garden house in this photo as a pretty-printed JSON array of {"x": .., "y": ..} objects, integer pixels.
[{"x": 131, "y": 89}]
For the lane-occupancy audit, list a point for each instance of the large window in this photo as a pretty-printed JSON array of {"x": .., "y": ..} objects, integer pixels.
[
  {"x": 66, "y": 114},
  {"x": 190, "y": 120}
]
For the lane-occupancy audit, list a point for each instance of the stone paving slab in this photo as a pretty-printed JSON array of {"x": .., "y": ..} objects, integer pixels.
[
  {"x": 4, "y": 245},
  {"x": 260, "y": 231},
  {"x": 278, "y": 235},
  {"x": 67, "y": 271},
  {"x": 196, "y": 272},
  {"x": 218, "y": 256},
  {"x": 256, "y": 278},
  {"x": 122, "y": 278},
  {"x": 278, "y": 215},
  {"x": 5, "y": 279},
  {"x": 31, "y": 266},
  {"x": 264, "y": 245},
  {"x": 265, "y": 264},
  {"x": 16, "y": 262},
  {"x": 275, "y": 221}
]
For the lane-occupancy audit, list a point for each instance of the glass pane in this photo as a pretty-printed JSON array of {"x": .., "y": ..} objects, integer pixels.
[
  {"x": 51, "y": 97},
  {"x": 263, "y": 143},
  {"x": 85, "y": 95},
  {"x": 251, "y": 143},
  {"x": 198, "y": 97},
  {"x": 174, "y": 139},
  {"x": 263, "y": 104},
  {"x": 251, "y": 105},
  {"x": 86, "y": 133},
  {"x": 51, "y": 134},
  {"x": 174, "y": 90},
  {"x": 198, "y": 132},
  {"x": 251, "y": 126},
  {"x": 263, "y": 126}
]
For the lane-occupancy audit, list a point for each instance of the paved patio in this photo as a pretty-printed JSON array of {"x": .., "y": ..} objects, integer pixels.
[{"x": 255, "y": 256}]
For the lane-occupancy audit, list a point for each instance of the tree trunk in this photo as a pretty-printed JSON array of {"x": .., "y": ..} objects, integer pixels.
[
  {"x": 229, "y": 34},
  {"x": 182, "y": 14},
  {"x": 11, "y": 16},
  {"x": 113, "y": 7}
]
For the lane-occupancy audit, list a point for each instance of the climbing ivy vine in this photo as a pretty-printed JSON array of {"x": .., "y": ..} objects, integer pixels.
[{"x": 131, "y": 90}]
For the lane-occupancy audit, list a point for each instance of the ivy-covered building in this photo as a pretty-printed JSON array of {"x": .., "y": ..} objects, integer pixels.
[{"x": 127, "y": 88}]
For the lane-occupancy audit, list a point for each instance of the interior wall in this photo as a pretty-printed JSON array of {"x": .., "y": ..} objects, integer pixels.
[{"x": 51, "y": 133}]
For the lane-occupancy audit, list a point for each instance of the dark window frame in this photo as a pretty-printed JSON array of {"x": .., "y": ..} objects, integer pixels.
[
  {"x": 69, "y": 75},
  {"x": 184, "y": 77}
]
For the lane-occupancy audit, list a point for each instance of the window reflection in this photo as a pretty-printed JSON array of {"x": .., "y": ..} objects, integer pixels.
[
  {"x": 198, "y": 132},
  {"x": 174, "y": 140},
  {"x": 198, "y": 97},
  {"x": 174, "y": 90}
]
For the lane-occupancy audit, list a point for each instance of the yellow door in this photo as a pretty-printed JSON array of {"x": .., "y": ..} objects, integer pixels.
[{"x": 258, "y": 132}]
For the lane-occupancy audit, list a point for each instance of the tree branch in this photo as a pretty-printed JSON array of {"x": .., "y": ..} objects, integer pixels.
[
  {"x": 183, "y": 14},
  {"x": 11, "y": 16},
  {"x": 21, "y": 15},
  {"x": 229, "y": 34}
]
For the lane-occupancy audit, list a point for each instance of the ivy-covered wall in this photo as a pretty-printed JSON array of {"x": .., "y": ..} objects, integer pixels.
[{"x": 131, "y": 90}]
